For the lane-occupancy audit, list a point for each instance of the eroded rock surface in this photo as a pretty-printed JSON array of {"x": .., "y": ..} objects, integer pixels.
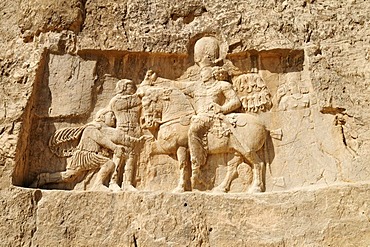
[{"x": 321, "y": 217}]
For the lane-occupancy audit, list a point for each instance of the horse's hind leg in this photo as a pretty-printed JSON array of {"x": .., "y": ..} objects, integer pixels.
[
  {"x": 257, "y": 183},
  {"x": 230, "y": 175},
  {"x": 182, "y": 157}
]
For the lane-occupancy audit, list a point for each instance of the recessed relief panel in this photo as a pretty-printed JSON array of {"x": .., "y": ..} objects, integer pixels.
[{"x": 211, "y": 121}]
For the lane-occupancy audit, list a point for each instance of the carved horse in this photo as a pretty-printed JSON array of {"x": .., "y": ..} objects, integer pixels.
[{"x": 167, "y": 113}]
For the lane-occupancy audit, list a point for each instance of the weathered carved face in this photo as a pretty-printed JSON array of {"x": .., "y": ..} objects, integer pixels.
[
  {"x": 152, "y": 111},
  {"x": 125, "y": 87},
  {"x": 130, "y": 88},
  {"x": 109, "y": 119}
]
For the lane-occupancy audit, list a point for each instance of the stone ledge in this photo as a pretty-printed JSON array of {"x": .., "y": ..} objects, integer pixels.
[{"x": 336, "y": 215}]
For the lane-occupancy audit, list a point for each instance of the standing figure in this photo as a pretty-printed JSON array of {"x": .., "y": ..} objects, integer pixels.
[
  {"x": 92, "y": 151},
  {"x": 126, "y": 106}
]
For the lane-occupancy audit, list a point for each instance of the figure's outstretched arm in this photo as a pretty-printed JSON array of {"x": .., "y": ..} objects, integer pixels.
[
  {"x": 104, "y": 141},
  {"x": 186, "y": 87}
]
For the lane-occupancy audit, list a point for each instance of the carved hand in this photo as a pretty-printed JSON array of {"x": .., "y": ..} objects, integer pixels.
[
  {"x": 119, "y": 150},
  {"x": 145, "y": 138},
  {"x": 216, "y": 108}
]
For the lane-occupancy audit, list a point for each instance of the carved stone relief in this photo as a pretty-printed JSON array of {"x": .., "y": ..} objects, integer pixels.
[{"x": 211, "y": 122}]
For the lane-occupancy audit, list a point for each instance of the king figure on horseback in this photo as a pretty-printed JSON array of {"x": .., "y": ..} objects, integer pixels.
[
  {"x": 212, "y": 96},
  {"x": 211, "y": 100}
]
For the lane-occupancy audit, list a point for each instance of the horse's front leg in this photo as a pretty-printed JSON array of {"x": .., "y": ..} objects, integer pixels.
[
  {"x": 182, "y": 158},
  {"x": 230, "y": 175}
]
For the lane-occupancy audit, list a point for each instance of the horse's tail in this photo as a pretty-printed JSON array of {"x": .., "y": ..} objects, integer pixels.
[
  {"x": 266, "y": 155},
  {"x": 270, "y": 134}
]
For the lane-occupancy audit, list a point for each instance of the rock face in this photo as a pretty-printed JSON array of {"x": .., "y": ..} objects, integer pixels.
[
  {"x": 197, "y": 123},
  {"x": 338, "y": 216}
]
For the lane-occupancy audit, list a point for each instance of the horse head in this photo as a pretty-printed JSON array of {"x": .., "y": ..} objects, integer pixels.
[{"x": 153, "y": 103}]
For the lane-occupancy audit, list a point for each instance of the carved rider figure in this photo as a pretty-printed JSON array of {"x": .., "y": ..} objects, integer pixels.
[
  {"x": 126, "y": 105},
  {"x": 166, "y": 110},
  {"x": 211, "y": 97},
  {"x": 90, "y": 154}
]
